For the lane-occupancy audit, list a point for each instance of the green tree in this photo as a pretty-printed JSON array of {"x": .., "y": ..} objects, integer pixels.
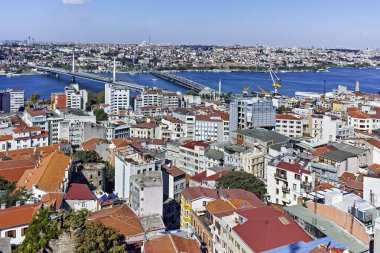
[
  {"x": 101, "y": 97},
  {"x": 110, "y": 177},
  {"x": 75, "y": 220},
  {"x": 88, "y": 156},
  {"x": 100, "y": 115},
  {"x": 192, "y": 92},
  {"x": 11, "y": 195},
  {"x": 97, "y": 239},
  {"x": 33, "y": 99},
  {"x": 41, "y": 230},
  {"x": 92, "y": 99},
  {"x": 243, "y": 180},
  {"x": 283, "y": 109}
]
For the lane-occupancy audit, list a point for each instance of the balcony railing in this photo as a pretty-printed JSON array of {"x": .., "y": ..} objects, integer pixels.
[
  {"x": 280, "y": 176},
  {"x": 285, "y": 189}
]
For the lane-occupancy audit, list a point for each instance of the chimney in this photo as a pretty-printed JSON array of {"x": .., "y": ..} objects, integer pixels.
[
  {"x": 18, "y": 203},
  {"x": 3, "y": 206}
]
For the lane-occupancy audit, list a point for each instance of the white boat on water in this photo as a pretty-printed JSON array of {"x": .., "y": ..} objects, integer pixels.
[
  {"x": 154, "y": 79},
  {"x": 9, "y": 75}
]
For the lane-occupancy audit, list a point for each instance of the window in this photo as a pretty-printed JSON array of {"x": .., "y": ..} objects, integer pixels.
[
  {"x": 294, "y": 187},
  {"x": 11, "y": 233},
  {"x": 204, "y": 203},
  {"x": 23, "y": 231}
]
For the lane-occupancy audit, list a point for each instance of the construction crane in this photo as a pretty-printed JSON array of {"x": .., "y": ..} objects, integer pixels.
[
  {"x": 246, "y": 90},
  {"x": 266, "y": 93},
  {"x": 276, "y": 81}
]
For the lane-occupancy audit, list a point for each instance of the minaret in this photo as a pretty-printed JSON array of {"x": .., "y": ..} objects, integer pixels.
[
  {"x": 73, "y": 66},
  {"x": 114, "y": 69},
  {"x": 357, "y": 86}
]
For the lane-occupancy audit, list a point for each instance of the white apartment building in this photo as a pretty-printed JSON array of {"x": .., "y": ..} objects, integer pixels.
[
  {"x": 188, "y": 117},
  {"x": 130, "y": 161},
  {"x": 172, "y": 129},
  {"x": 117, "y": 97},
  {"x": 212, "y": 127},
  {"x": 76, "y": 98},
  {"x": 16, "y": 99},
  {"x": 315, "y": 125},
  {"x": 363, "y": 121},
  {"x": 191, "y": 157},
  {"x": 36, "y": 117},
  {"x": 146, "y": 193},
  {"x": 333, "y": 129},
  {"x": 287, "y": 181},
  {"x": 289, "y": 125},
  {"x": 24, "y": 137},
  {"x": 157, "y": 97}
]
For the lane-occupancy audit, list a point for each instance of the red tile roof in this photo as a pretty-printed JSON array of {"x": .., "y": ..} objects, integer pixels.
[
  {"x": 296, "y": 167},
  {"x": 193, "y": 193},
  {"x": 5, "y": 137},
  {"x": 146, "y": 125},
  {"x": 12, "y": 170},
  {"x": 79, "y": 192},
  {"x": 17, "y": 216},
  {"x": 36, "y": 112},
  {"x": 267, "y": 228},
  {"x": 173, "y": 171},
  {"x": 92, "y": 143},
  {"x": 192, "y": 144},
  {"x": 54, "y": 200},
  {"x": 171, "y": 244},
  {"x": 286, "y": 117},
  {"x": 26, "y": 129},
  {"x": 374, "y": 142},
  {"x": 121, "y": 218}
]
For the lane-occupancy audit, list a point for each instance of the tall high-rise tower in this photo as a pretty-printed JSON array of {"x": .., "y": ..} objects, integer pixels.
[{"x": 357, "y": 86}]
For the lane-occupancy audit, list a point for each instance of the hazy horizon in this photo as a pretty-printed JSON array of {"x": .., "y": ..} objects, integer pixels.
[{"x": 321, "y": 24}]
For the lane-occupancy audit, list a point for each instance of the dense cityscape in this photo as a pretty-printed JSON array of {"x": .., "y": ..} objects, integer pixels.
[
  {"x": 145, "y": 56},
  {"x": 189, "y": 147}
]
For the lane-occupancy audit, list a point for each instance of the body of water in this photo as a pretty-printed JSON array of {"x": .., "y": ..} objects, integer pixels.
[{"x": 231, "y": 81}]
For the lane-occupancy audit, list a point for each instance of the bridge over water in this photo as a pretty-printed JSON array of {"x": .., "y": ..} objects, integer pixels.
[
  {"x": 186, "y": 83},
  {"x": 191, "y": 85}
]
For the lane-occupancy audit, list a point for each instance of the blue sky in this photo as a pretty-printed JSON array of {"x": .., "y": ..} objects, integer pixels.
[{"x": 327, "y": 23}]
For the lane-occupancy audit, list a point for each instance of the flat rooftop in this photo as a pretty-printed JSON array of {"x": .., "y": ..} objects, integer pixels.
[{"x": 327, "y": 227}]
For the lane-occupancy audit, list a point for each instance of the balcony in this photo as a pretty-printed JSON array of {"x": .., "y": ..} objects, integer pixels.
[
  {"x": 280, "y": 176},
  {"x": 285, "y": 189}
]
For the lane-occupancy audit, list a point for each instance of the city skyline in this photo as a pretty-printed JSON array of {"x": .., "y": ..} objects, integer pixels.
[{"x": 346, "y": 24}]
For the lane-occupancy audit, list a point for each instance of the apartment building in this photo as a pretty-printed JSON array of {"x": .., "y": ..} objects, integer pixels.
[
  {"x": 191, "y": 157},
  {"x": 174, "y": 180},
  {"x": 172, "y": 129},
  {"x": 250, "y": 112},
  {"x": 36, "y": 117},
  {"x": 157, "y": 97},
  {"x": 148, "y": 130},
  {"x": 213, "y": 127},
  {"x": 146, "y": 193},
  {"x": 187, "y": 116},
  {"x": 24, "y": 137},
  {"x": 16, "y": 99},
  {"x": 288, "y": 181},
  {"x": 315, "y": 125},
  {"x": 117, "y": 97},
  {"x": 363, "y": 121},
  {"x": 131, "y": 160},
  {"x": 289, "y": 125},
  {"x": 244, "y": 230},
  {"x": 76, "y": 98}
]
